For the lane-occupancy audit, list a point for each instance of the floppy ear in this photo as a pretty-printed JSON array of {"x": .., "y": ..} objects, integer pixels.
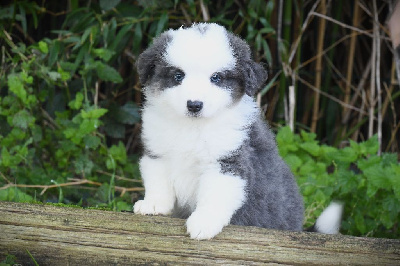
[
  {"x": 255, "y": 77},
  {"x": 148, "y": 60}
]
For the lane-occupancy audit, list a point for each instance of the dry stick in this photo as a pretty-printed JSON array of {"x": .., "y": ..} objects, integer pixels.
[
  {"x": 120, "y": 177},
  {"x": 292, "y": 104},
  {"x": 343, "y": 24},
  {"x": 372, "y": 87},
  {"x": 378, "y": 74},
  {"x": 186, "y": 15},
  {"x": 96, "y": 95},
  {"x": 351, "y": 60},
  {"x": 204, "y": 11},
  {"x": 5, "y": 178},
  {"x": 123, "y": 190},
  {"x": 318, "y": 68}
]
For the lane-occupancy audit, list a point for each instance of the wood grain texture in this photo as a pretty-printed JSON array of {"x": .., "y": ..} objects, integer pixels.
[{"x": 73, "y": 236}]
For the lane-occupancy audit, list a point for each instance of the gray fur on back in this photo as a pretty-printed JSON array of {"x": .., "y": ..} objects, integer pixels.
[{"x": 273, "y": 199}]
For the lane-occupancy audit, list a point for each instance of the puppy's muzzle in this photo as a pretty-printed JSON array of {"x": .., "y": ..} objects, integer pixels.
[{"x": 194, "y": 106}]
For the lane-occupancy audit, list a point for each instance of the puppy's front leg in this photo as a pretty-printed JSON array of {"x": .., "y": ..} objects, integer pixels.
[
  {"x": 159, "y": 196},
  {"x": 219, "y": 196}
]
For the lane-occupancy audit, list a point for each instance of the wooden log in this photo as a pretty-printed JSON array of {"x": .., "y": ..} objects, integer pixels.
[{"x": 73, "y": 236}]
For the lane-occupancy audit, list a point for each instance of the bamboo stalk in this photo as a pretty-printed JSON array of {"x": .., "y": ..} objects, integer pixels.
[
  {"x": 329, "y": 122},
  {"x": 358, "y": 91},
  {"x": 318, "y": 67},
  {"x": 350, "y": 64}
]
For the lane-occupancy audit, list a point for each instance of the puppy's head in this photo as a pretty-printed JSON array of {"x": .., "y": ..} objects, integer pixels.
[{"x": 199, "y": 71}]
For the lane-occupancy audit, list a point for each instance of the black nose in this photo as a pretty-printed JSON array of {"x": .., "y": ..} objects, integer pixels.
[{"x": 194, "y": 106}]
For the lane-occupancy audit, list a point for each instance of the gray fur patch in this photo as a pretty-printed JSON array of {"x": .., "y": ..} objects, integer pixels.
[
  {"x": 251, "y": 73},
  {"x": 272, "y": 196},
  {"x": 151, "y": 61}
]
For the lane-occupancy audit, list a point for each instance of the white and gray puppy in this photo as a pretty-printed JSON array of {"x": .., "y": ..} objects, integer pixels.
[{"x": 209, "y": 156}]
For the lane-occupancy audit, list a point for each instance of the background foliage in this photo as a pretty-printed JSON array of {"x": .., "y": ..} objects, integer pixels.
[{"x": 70, "y": 98}]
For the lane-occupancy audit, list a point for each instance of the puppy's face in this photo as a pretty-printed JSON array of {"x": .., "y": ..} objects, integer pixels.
[{"x": 199, "y": 71}]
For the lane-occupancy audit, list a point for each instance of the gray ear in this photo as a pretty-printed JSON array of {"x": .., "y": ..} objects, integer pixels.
[
  {"x": 254, "y": 75},
  {"x": 148, "y": 60}
]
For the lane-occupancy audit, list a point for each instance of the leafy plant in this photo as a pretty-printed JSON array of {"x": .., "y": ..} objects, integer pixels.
[
  {"x": 367, "y": 184},
  {"x": 52, "y": 125}
]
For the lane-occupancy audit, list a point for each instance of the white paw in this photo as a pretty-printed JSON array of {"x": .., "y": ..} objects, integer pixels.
[
  {"x": 201, "y": 225},
  {"x": 148, "y": 207}
]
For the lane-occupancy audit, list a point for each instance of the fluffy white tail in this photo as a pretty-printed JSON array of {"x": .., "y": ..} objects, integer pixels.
[{"x": 330, "y": 219}]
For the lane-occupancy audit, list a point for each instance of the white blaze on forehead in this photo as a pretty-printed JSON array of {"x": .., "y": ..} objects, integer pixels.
[{"x": 200, "y": 50}]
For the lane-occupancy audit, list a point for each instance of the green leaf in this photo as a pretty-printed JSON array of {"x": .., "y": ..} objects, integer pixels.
[
  {"x": 269, "y": 86},
  {"x": 123, "y": 206},
  {"x": 360, "y": 224},
  {"x": 386, "y": 220},
  {"x": 107, "y": 73},
  {"x": 123, "y": 32},
  {"x": 83, "y": 164},
  {"x": 54, "y": 76},
  {"x": 118, "y": 153},
  {"x": 5, "y": 158},
  {"x": 293, "y": 161},
  {"x": 128, "y": 114},
  {"x": 26, "y": 78},
  {"x": 162, "y": 23},
  {"x": 108, "y": 4},
  {"x": 137, "y": 38},
  {"x": 43, "y": 47},
  {"x": 54, "y": 51},
  {"x": 14, "y": 194},
  {"x": 88, "y": 126},
  {"x": 114, "y": 129},
  {"x": 311, "y": 147},
  {"x": 91, "y": 142},
  {"x": 23, "y": 119},
  {"x": 93, "y": 113},
  {"x": 103, "y": 53},
  {"x": 378, "y": 177},
  {"x": 371, "y": 146},
  {"x": 77, "y": 103},
  {"x": 285, "y": 140},
  {"x": 16, "y": 86},
  {"x": 63, "y": 75},
  {"x": 307, "y": 169},
  {"x": 347, "y": 155},
  {"x": 395, "y": 180}
]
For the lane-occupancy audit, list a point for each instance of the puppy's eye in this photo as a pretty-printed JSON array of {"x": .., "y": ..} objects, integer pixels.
[
  {"x": 215, "y": 78},
  {"x": 179, "y": 76}
]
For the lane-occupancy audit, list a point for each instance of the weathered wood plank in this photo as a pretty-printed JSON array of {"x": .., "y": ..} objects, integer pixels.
[{"x": 70, "y": 236}]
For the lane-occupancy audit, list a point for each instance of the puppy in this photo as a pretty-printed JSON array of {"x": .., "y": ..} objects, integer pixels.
[{"x": 208, "y": 155}]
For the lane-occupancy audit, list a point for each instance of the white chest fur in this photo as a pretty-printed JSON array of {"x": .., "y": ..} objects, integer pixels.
[{"x": 190, "y": 147}]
